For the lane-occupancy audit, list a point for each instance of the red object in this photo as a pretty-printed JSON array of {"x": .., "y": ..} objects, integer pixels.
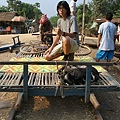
[
  {"x": 43, "y": 19},
  {"x": 8, "y": 28}
]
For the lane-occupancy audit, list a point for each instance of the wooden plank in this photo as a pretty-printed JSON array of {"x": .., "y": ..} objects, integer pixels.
[
  {"x": 18, "y": 102},
  {"x": 98, "y": 115},
  {"x": 104, "y": 80},
  {"x": 108, "y": 78},
  {"x": 11, "y": 113},
  {"x": 94, "y": 101}
]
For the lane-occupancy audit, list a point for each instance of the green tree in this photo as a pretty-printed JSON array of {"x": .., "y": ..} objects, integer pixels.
[
  {"x": 79, "y": 15},
  {"x": 53, "y": 20},
  {"x": 117, "y": 14},
  {"x": 36, "y": 10},
  {"x": 99, "y": 8},
  {"x": 3, "y": 9},
  {"x": 13, "y": 4}
]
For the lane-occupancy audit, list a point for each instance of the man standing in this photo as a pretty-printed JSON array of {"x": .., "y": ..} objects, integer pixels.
[
  {"x": 106, "y": 40},
  {"x": 73, "y": 7},
  {"x": 67, "y": 35}
]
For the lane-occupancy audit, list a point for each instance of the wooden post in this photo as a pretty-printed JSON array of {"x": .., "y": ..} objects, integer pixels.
[
  {"x": 83, "y": 23},
  {"x": 87, "y": 85},
  {"x": 25, "y": 82}
]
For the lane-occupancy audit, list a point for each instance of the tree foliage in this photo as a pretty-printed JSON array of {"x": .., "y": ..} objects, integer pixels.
[
  {"x": 30, "y": 11},
  {"x": 53, "y": 20},
  {"x": 99, "y": 8},
  {"x": 94, "y": 9},
  {"x": 3, "y": 9}
]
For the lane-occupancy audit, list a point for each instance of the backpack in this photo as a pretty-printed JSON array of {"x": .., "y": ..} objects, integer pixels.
[{"x": 76, "y": 75}]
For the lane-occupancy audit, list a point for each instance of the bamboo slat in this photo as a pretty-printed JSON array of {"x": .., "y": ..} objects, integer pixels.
[{"x": 44, "y": 79}]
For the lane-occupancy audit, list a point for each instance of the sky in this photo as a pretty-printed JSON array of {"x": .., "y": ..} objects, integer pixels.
[{"x": 46, "y": 6}]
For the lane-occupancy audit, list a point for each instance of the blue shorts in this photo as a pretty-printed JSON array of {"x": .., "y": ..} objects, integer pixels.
[{"x": 103, "y": 55}]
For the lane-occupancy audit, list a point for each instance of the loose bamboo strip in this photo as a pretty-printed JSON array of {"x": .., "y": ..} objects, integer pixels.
[
  {"x": 52, "y": 78},
  {"x": 56, "y": 80},
  {"x": 4, "y": 80},
  {"x": 46, "y": 83},
  {"x": 40, "y": 55},
  {"x": 15, "y": 77},
  {"x": 12, "y": 79},
  {"x": 29, "y": 81},
  {"x": 4, "y": 75},
  {"x": 103, "y": 79},
  {"x": 1, "y": 74},
  {"x": 102, "y": 82},
  {"x": 36, "y": 79},
  {"x": 49, "y": 78},
  {"x": 21, "y": 83},
  {"x": 22, "y": 56},
  {"x": 42, "y": 78},
  {"x": 108, "y": 78},
  {"x": 37, "y": 55},
  {"x": 8, "y": 80},
  {"x": 32, "y": 79},
  {"x": 19, "y": 55},
  {"x": 17, "y": 81},
  {"x": 39, "y": 78},
  {"x": 30, "y": 55}
]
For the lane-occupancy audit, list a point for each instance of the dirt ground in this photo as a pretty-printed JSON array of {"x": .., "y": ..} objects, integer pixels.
[{"x": 57, "y": 108}]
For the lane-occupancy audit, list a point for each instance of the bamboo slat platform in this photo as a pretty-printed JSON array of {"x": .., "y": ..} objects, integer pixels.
[
  {"x": 15, "y": 80},
  {"x": 33, "y": 76}
]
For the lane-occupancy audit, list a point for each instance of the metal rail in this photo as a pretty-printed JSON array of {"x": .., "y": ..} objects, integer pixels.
[{"x": 35, "y": 84}]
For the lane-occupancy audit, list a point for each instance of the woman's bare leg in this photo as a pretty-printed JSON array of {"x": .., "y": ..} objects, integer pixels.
[
  {"x": 66, "y": 45},
  {"x": 49, "y": 57}
]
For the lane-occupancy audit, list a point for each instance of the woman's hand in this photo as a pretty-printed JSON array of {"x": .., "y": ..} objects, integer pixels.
[
  {"x": 48, "y": 51},
  {"x": 59, "y": 31}
]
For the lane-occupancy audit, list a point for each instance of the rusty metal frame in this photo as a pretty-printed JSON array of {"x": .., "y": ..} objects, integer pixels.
[{"x": 80, "y": 90}]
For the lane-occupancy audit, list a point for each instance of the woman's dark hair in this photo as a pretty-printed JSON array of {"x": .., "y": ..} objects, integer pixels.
[
  {"x": 109, "y": 16},
  {"x": 65, "y": 5}
]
